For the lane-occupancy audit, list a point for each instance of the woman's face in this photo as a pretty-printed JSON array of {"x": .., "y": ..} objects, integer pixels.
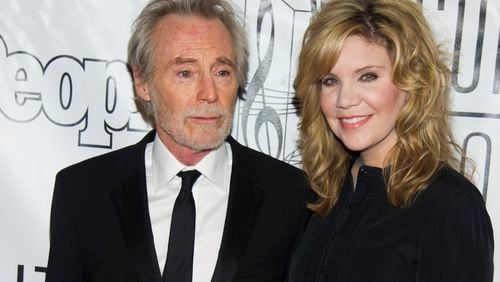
[{"x": 360, "y": 101}]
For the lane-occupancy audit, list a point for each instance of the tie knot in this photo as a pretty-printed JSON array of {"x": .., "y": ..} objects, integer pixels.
[{"x": 188, "y": 179}]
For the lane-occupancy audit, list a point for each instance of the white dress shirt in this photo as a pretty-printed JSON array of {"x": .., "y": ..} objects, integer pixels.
[{"x": 210, "y": 192}]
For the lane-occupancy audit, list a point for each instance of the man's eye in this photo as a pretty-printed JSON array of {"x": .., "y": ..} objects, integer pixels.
[
  {"x": 223, "y": 73},
  {"x": 184, "y": 74},
  {"x": 329, "y": 81}
]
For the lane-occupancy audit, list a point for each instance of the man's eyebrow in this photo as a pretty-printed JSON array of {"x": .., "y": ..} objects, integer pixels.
[
  {"x": 187, "y": 60},
  {"x": 225, "y": 61},
  {"x": 183, "y": 60}
]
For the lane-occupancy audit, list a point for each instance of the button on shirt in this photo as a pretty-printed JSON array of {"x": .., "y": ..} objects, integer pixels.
[{"x": 210, "y": 193}]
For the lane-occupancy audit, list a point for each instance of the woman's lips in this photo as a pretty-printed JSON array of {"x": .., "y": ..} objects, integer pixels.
[{"x": 353, "y": 122}]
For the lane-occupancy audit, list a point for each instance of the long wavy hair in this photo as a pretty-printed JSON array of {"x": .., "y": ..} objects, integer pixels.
[{"x": 425, "y": 140}]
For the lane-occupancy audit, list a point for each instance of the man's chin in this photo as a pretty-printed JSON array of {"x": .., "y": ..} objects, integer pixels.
[
  {"x": 204, "y": 145},
  {"x": 206, "y": 138},
  {"x": 202, "y": 141}
]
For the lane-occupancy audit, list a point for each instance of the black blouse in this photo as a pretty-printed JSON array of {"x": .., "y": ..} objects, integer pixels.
[{"x": 446, "y": 235}]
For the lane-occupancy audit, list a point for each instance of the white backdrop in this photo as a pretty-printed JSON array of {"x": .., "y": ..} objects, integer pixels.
[{"x": 65, "y": 95}]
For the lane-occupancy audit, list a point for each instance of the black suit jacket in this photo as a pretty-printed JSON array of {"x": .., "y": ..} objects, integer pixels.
[{"x": 100, "y": 226}]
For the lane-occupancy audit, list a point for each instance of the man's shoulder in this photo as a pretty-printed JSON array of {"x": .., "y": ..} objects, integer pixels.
[
  {"x": 265, "y": 168},
  {"x": 250, "y": 157},
  {"x": 101, "y": 165}
]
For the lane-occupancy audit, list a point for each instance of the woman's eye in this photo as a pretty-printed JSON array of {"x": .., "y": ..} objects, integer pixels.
[
  {"x": 369, "y": 77},
  {"x": 329, "y": 81}
]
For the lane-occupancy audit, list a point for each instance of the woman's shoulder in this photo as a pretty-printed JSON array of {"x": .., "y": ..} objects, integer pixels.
[
  {"x": 451, "y": 181},
  {"x": 451, "y": 188}
]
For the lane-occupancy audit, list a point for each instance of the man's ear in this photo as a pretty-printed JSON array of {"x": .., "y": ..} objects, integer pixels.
[{"x": 140, "y": 86}]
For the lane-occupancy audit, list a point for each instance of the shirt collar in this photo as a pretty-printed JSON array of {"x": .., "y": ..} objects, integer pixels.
[{"x": 215, "y": 166}]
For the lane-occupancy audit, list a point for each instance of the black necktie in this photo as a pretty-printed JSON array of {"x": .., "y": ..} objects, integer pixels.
[{"x": 179, "y": 264}]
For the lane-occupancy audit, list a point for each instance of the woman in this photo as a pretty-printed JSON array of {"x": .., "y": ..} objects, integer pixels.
[{"x": 379, "y": 153}]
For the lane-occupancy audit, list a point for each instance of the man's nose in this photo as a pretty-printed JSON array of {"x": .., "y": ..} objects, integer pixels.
[{"x": 207, "y": 90}]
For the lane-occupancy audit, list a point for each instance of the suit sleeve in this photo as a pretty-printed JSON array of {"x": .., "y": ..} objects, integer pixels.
[
  {"x": 64, "y": 263},
  {"x": 458, "y": 245}
]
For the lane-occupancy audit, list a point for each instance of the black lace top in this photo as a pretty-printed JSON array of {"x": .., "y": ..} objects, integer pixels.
[{"x": 446, "y": 235}]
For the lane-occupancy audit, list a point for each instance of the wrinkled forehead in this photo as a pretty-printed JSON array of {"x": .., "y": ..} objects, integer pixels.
[{"x": 188, "y": 37}]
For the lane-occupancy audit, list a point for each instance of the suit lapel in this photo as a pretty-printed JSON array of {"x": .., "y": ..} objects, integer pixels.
[
  {"x": 244, "y": 205},
  {"x": 130, "y": 202}
]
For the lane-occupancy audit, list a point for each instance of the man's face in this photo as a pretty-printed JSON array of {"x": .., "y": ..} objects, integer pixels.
[{"x": 194, "y": 85}]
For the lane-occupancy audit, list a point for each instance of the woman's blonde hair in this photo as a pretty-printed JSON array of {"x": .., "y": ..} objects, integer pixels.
[{"x": 425, "y": 141}]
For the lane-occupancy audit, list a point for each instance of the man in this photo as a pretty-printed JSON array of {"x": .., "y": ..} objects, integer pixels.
[{"x": 116, "y": 217}]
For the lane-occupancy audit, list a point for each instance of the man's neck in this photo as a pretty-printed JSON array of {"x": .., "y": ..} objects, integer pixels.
[{"x": 189, "y": 157}]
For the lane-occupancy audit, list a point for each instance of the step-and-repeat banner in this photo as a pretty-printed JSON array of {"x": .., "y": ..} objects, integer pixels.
[{"x": 66, "y": 95}]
